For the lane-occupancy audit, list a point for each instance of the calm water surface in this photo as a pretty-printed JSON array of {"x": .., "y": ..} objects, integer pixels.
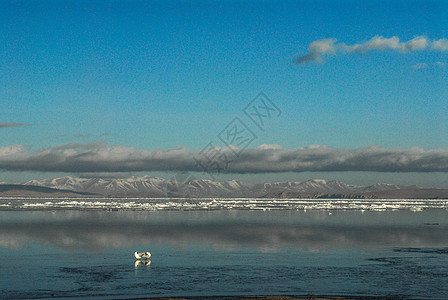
[{"x": 77, "y": 254}]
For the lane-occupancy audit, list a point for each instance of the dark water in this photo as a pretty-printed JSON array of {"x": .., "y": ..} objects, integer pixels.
[{"x": 79, "y": 254}]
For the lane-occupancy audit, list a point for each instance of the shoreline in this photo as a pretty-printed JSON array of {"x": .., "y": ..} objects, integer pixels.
[{"x": 274, "y": 297}]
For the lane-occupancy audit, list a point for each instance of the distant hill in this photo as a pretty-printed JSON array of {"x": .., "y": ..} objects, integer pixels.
[
  {"x": 158, "y": 187},
  {"x": 151, "y": 187},
  {"x": 403, "y": 193},
  {"x": 11, "y": 190}
]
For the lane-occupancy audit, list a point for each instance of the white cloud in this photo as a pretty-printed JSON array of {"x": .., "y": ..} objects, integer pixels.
[
  {"x": 376, "y": 43},
  {"x": 440, "y": 45},
  {"x": 417, "y": 43},
  {"x": 99, "y": 157},
  {"x": 318, "y": 48}
]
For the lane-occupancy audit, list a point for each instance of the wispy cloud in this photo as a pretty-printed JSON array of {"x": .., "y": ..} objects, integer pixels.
[
  {"x": 393, "y": 43},
  {"x": 99, "y": 157},
  {"x": 3, "y": 125},
  {"x": 79, "y": 136},
  {"x": 320, "y": 48},
  {"x": 105, "y": 175},
  {"x": 420, "y": 66}
]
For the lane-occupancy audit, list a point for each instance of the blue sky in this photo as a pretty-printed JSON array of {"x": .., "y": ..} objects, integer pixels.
[{"x": 157, "y": 75}]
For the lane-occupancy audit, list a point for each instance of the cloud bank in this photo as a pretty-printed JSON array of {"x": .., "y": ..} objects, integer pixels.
[
  {"x": 3, "y": 125},
  {"x": 320, "y": 48},
  {"x": 99, "y": 157}
]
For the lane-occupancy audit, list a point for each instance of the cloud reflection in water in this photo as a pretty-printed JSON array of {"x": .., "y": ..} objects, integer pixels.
[{"x": 266, "y": 231}]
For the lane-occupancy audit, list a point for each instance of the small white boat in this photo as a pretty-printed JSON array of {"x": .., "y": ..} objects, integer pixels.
[{"x": 140, "y": 255}]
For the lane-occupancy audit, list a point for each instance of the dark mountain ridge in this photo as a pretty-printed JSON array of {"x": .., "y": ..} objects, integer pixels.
[{"x": 152, "y": 187}]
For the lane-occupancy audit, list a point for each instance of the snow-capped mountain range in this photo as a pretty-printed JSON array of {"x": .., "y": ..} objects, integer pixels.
[{"x": 158, "y": 187}]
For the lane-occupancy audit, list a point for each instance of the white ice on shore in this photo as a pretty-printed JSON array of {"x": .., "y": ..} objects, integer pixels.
[{"x": 157, "y": 204}]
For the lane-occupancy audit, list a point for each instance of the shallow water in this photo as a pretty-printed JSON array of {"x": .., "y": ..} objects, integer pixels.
[{"x": 72, "y": 253}]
